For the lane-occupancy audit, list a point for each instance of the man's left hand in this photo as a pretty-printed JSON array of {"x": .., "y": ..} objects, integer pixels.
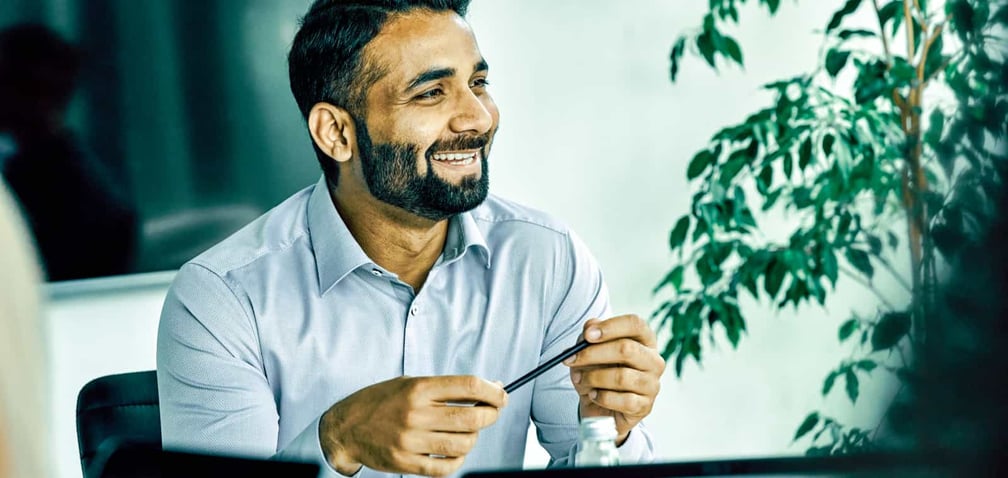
[{"x": 619, "y": 375}]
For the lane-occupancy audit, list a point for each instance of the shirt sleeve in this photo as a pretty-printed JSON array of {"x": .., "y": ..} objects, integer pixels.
[
  {"x": 581, "y": 295},
  {"x": 214, "y": 395}
]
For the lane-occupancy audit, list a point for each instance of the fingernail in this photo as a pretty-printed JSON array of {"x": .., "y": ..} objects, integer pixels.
[
  {"x": 593, "y": 394},
  {"x": 570, "y": 359},
  {"x": 593, "y": 334},
  {"x": 576, "y": 377}
]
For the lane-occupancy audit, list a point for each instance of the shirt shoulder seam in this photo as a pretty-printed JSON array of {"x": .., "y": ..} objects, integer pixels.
[{"x": 542, "y": 224}]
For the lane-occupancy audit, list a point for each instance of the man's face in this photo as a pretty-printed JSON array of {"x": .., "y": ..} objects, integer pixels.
[{"x": 429, "y": 121}]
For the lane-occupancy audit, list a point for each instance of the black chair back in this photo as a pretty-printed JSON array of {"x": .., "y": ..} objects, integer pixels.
[{"x": 117, "y": 409}]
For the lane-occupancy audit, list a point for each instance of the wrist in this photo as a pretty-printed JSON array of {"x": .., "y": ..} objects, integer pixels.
[{"x": 333, "y": 447}]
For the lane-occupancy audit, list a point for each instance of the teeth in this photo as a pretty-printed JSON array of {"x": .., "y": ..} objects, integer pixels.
[{"x": 462, "y": 158}]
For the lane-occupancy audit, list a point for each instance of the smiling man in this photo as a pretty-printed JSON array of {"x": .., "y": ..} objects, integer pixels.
[{"x": 342, "y": 325}]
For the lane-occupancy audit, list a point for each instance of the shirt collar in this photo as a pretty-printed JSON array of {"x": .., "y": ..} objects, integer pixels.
[
  {"x": 337, "y": 253},
  {"x": 463, "y": 234}
]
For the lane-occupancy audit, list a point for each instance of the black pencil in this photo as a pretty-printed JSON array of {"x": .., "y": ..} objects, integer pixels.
[{"x": 546, "y": 366}]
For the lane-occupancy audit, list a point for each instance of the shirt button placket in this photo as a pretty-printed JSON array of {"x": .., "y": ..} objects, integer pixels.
[{"x": 412, "y": 348}]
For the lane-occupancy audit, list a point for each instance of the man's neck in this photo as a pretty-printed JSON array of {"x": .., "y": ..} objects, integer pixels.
[{"x": 394, "y": 239}]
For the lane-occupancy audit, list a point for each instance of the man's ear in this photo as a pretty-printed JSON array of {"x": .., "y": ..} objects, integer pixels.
[{"x": 332, "y": 129}]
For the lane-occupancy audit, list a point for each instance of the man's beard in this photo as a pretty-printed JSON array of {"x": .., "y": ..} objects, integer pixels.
[{"x": 390, "y": 170}]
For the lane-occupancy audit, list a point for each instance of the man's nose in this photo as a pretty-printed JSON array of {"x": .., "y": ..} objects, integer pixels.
[{"x": 472, "y": 116}]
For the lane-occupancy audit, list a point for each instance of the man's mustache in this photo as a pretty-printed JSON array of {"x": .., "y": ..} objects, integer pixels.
[{"x": 459, "y": 143}]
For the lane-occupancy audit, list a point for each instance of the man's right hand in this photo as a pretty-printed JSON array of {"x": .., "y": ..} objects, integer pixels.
[{"x": 395, "y": 426}]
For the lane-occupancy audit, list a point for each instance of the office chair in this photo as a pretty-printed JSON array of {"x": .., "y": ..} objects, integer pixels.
[{"x": 116, "y": 409}]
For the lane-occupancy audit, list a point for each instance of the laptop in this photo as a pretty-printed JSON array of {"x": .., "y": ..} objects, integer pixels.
[
  {"x": 138, "y": 460},
  {"x": 855, "y": 466}
]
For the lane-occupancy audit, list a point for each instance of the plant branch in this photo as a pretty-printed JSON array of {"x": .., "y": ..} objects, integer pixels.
[
  {"x": 886, "y": 414},
  {"x": 857, "y": 278},
  {"x": 908, "y": 22},
  {"x": 935, "y": 33},
  {"x": 892, "y": 270},
  {"x": 885, "y": 39}
]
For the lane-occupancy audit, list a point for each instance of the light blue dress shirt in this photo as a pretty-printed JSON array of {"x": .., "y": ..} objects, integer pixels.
[{"x": 264, "y": 332}]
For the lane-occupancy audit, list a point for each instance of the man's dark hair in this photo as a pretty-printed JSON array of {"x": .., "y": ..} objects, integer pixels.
[
  {"x": 325, "y": 61},
  {"x": 38, "y": 66}
]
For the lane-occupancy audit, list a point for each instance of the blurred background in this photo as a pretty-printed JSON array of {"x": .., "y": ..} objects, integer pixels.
[{"x": 184, "y": 108}]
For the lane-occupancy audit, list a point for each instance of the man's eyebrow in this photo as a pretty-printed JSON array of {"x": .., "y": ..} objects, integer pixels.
[
  {"x": 439, "y": 73},
  {"x": 430, "y": 75}
]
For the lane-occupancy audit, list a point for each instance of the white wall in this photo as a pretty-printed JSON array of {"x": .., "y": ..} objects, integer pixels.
[{"x": 593, "y": 132}]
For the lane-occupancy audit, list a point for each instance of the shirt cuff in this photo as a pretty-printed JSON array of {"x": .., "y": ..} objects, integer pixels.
[
  {"x": 637, "y": 448},
  {"x": 308, "y": 447}
]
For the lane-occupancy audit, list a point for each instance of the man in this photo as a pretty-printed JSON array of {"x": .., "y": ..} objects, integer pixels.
[{"x": 345, "y": 324}]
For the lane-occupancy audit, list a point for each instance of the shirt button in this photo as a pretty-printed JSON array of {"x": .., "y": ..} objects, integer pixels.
[
  {"x": 413, "y": 310},
  {"x": 376, "y": 272}
]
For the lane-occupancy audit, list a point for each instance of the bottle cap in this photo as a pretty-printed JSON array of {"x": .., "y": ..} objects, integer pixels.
[{"x": 598, "y": 428}]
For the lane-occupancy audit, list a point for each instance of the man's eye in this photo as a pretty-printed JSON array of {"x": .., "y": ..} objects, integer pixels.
[
  {"x": 430, "y": 94},
  {"x": 480, "y": 83}
]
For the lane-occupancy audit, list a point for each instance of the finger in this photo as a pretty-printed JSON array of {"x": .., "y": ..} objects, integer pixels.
[
  {"x": 461, "y": 388},
  {"x": 620, "y": 379},
  {"x": 623, "y": 326},
  {"x": 445, "y": 418},
  {"x": 626, "y": 403},
  {"x": 449, "y": 445},
  {"x": 626, "y": 352},
  {"x": 425, "y": 465}
]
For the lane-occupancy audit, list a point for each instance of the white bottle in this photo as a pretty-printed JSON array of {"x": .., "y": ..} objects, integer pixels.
[{"x": 597, "y": 446}]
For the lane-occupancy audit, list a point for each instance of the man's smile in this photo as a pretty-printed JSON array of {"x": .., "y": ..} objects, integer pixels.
[{"x": 458, "y": 159}]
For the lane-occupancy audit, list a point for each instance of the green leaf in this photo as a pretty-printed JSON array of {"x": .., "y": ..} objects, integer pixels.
[
  {"x": 765, "y": 178},
  {"x": 674, "y": 277},
  {"x": 805, "y": 153},
  {"x": 860, "y": 260},
  {"x": 807, "y": 425},
  {"x": 934, "y": 59},
  {"x": 678, "y": 234},
  {"x": 902, "y": 71},
  {"x": 732, "y": 49},
  {"x": 788, "y": 165},
  {"x": 838, "y": 17},
  {"x": 771, "y": 199},
  {"x": 675, "y": 57},
  {"x": 852, "y": 385},
  {"x": 875, "y": 244},
  {"x": 827, "y": 144},
  {"x": 963, "y": 19},
  {"x": 846, "y": 34},
  {"x": 835, "y": 61},
  {"x": 830, "y": 266},
  {"x": 866, "y": 365},
  {"x": 825, "y": 450},
  {"x": 890, "y": 329},
  {"x": 847, "y": 329},
  {"x": 700, "y": 229},
  {"x": 828, "y": 383},
  {"x": 893, "y": 239},
  {"x": 732, "y": 167},
  {"x": 699, "y": 164},
  {"x": 773, "y": 5},
  {"x": 936, "y": 124},
  {"x": 774, "y": 277},
  {"x": 708, "y": 270},
  {"x": 892, "y": 11},
  {"x": 705, "y": 43}
]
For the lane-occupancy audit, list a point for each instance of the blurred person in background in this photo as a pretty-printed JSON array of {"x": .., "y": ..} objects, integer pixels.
[
  {"x": 82, "y": 223},
  {"x": 24, "y": 424}
]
